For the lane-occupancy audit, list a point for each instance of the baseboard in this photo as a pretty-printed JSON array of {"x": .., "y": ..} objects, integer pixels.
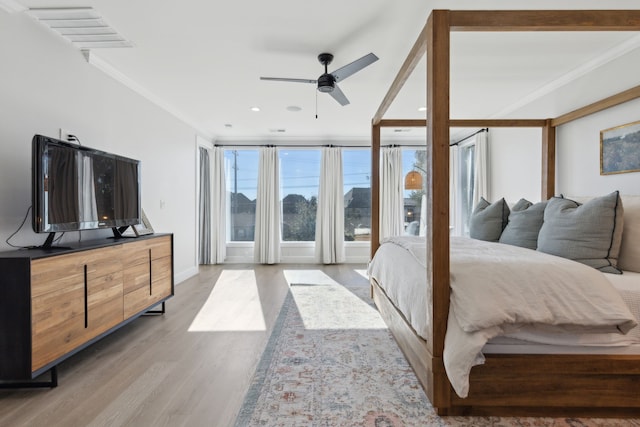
[{"x": 184, "y": 275}]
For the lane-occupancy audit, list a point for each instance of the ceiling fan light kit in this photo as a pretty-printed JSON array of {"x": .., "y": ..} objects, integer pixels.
[{"x": 327, "y": 82}]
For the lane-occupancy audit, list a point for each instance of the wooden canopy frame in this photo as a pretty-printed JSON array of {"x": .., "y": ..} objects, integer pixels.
[{"x": 506, "y": 384}]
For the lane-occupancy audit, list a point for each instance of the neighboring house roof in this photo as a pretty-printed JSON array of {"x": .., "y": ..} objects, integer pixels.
[{"x": 358, "y": 198}]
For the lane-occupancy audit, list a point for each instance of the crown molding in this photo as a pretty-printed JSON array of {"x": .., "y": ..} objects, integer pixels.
[
  {"x": 612, "y": 54},
  {"x": 12, "y": 6},
  {"x": 283, "y": 141},
  {"x": 116, "y": 74}
]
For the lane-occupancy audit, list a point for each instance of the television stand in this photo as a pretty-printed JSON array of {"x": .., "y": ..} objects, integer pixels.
[
  {"x": 118, "y": 232},
  {"x": 54, "y": 304}
]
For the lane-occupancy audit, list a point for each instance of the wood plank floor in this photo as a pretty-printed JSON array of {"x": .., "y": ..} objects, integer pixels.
[{"x": 189, "y": 367}]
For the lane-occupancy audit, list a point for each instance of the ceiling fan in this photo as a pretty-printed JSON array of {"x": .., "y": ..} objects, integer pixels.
[{"x": 328, "y": 82}]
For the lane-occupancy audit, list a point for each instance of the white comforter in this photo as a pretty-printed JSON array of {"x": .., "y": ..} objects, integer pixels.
[{"x": 496, "y": 289}]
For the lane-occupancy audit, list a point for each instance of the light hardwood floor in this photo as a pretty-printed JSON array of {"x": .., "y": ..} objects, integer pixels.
[{"x": 188, "y": 367}]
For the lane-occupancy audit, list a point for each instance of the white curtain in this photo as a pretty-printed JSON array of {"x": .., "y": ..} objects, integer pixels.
[
  {"x": 455, "y": 215},
  {"x": 330, "y": 216},
  {"x": 391, "y": 193},
  {"x": 267, "y": 232},
  {"x": 480, "y": 181},
  {"x": 423, "y": 216},
  {"x": 218, "y": 208}
]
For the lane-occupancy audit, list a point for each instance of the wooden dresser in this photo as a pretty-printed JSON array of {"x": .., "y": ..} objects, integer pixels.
[{"x": 54, "y": 303}]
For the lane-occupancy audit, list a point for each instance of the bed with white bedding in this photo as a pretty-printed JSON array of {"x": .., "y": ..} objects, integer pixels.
[
  {"x": 506, "y": 384},
  {"x": 524, "y": 297}
]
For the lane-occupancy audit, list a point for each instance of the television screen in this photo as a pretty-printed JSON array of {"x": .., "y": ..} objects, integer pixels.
[{"x": 80, "y": 188}]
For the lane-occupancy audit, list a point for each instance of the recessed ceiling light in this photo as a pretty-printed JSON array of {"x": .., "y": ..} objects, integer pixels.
[
  {"x": 293, "y": 108},
  {"x": 422, "y": 108},
  {"x": 256, "y": 109}
]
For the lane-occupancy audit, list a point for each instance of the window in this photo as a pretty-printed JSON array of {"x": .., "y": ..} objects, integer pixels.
[
  {"x": 414, "y": 160},
  {"x": 356, "y": 167},
  {"x": 241, "y": 168},
  {"x": 299, "y": 183}
]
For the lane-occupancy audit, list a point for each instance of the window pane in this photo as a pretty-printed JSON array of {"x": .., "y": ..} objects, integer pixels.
[
  {"x": 413, "y": 160},
  {"x": 356, "y": 166},
  {"x": 299, "y": 182},
  {"x": 241, "y": 168}
]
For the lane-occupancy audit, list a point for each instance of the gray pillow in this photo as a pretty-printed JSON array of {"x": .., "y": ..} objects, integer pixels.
[
  {"x": 525, "y": 221},
  {"x": 488, "y": 220},
  {"x": 590, "y": 233}
]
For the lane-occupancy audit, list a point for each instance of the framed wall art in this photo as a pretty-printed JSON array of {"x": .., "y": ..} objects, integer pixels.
[{"x": 620, "y": 149}]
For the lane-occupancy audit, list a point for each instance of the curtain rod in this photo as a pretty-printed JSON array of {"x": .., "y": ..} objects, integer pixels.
[
  {"x": 469, "y": 136},
  {"x": 291, "y": 146},
  {"x": 318, "y": 146}
]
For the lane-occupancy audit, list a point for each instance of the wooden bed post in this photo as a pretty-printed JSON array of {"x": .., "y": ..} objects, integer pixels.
[
  {"x": 438, "y": 44},
  {"x": 375, "y": 187},
  {"x": 548, "y": 161}
]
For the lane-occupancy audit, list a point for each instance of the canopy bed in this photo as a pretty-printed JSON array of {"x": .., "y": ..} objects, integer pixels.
[{"x": 567, "y": 383}]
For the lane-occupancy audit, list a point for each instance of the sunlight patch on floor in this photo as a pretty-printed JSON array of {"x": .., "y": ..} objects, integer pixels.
[
  {"x": 363, "y": 273},
  {"x": 308, "y": 277},
  {"x": 233, "y": 305},
  {"x": 325, "y": 304}
]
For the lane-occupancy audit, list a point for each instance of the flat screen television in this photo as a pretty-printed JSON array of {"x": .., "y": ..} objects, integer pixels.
[{"x": 80, "y": 188}]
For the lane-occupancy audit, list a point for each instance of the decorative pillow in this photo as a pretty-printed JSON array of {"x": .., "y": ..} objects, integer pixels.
[
  {"x": 488, "y": 220},
  {"x": 525, "y": 221},
  {"x": 589, "y": 233}
]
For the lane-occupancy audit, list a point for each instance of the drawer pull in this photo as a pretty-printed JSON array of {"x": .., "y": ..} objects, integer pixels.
[{"x": 86, "y": 302}]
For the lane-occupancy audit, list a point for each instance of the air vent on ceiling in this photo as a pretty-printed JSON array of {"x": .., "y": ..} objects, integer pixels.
[{"x": 82, "y": 26}]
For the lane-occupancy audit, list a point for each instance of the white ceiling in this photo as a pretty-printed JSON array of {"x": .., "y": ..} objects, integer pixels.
[{"x": 202, "y": 59}]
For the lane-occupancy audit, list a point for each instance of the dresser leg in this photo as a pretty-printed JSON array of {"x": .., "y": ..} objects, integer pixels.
[
  {"x": 53, "y": 382},
  {"x": 151, "y": 312}
]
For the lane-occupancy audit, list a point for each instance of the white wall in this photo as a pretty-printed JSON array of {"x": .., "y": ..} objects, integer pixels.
[
  {"x": 46, "y": 84},
  {"x": 578, "y": 154},
  {"x": 515, "y": 158},
  {"x": 514, "y": 164}
]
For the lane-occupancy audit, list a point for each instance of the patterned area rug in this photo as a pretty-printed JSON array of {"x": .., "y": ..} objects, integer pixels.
[{"x": 331, "y": 361}]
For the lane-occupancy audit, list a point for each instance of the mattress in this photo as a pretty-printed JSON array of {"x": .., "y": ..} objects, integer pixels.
[{"x": 403, "y": 279}]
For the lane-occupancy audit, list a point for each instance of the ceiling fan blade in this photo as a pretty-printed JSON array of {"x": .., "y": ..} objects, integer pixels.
[
  {"x": 357, "y": 65},
  {"x": 280, "y": 79},
  {"x": 339, "y": 96}
]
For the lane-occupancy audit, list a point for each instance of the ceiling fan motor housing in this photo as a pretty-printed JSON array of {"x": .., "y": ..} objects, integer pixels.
[{"x": 326, "y": 83}]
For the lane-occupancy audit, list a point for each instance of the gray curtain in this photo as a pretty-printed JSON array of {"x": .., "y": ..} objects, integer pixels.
[
  {"x": 204, "y": 203},
  {"x": 212, "y": 206}
]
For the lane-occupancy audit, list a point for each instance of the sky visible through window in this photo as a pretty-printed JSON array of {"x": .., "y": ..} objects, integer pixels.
[{"x": 301, "y": 174}]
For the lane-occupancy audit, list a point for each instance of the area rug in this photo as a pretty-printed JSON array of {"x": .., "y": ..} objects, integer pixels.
[{"x": 331, "y": 361}]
